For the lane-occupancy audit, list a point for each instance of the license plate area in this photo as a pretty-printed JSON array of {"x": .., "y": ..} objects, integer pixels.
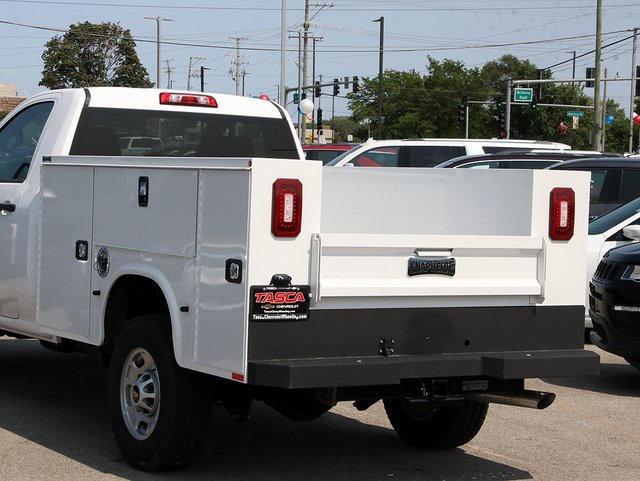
[{"x": 271, "y": 303}]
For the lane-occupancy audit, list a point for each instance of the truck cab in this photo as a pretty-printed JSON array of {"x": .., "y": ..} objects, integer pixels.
[{"x": 222, "y": 266}]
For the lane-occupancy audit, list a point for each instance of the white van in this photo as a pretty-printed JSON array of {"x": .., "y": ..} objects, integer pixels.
[{"x": 430, "y": 152}]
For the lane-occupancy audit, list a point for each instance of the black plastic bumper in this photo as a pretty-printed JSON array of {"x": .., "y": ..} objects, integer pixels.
[
  {"x": 378, "y": 371},
  {"x": 340, "y": 348}
]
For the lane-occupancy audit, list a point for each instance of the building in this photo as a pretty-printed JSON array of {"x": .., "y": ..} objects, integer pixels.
[
  {"x": 8, "y": 98},
  {"x": 8, "y": 90}
]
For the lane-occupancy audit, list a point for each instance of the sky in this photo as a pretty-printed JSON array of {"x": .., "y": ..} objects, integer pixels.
[{"x": 465, "y": 30}]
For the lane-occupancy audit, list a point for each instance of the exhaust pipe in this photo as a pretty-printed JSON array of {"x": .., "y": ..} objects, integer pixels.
[{"x": 525, "y": 398}]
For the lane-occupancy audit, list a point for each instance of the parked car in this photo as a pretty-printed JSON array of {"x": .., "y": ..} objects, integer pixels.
[
  {"x": 514, "y": 160},
  {"x": 431, "y": 152},
  {"x": 138, "y": 145},
  {"x": 243, "y": 272},
  {"x": 326, "y": 152},
  {"x": 605, "y": 233},
  {"x": 614, "y": 300},
  {"x": 614, "y": 181}
]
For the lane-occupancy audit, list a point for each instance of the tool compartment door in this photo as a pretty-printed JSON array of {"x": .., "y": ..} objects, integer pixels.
[{"x": 165, "y": 225}]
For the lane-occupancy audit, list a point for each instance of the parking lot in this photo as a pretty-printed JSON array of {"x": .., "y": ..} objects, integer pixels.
[{"x": 54, "y": 426}]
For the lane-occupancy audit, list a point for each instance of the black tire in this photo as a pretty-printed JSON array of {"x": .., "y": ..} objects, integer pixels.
[
  {"x": 435, "y": 428},
  {"x": 184, "y": 408},
  {"x": 587, "y": 335},
  {"x": 635, "y": 362}
]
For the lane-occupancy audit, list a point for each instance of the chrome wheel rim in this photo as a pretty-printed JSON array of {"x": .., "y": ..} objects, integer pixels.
[{"x": 140, "y": 394}]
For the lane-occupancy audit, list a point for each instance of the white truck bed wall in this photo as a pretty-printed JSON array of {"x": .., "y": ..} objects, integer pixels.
[
  {"x": 198, "y": 216},
  {"x": 494, "y": 223},
  {"x": 359, "y": 227}
]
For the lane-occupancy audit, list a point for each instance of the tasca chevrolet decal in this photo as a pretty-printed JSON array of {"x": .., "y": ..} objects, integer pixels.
[{"x": 270, "y": 303}]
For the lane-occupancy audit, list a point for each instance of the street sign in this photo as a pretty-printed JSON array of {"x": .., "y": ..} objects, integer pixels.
[
  {"x": 521, "y": 94},
  {"x": 575, "y": 113},
  {"x": 296, "y": 98}
]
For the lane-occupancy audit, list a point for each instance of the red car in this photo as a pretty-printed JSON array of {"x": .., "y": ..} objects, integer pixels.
[{"x": 326, "y": 152}]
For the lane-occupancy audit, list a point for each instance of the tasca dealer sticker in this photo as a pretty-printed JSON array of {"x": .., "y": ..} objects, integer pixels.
[{"x": 270, "y": 303}]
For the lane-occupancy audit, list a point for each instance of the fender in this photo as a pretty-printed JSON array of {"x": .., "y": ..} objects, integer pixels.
[{"x": 144, "y": 270}]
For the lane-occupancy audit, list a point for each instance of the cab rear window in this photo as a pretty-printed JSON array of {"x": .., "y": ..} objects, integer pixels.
[{"x": 128, "y": 132}]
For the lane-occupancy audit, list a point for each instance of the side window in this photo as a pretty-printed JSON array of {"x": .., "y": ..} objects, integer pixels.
[
  {"x": 630, "y": 186},
  {"x": 598, "y": 178},
  {"x": 18, "y": 141},
  {"x": 494, "y": 164},
  {"x": 527, "y": 164},
  {"x": 429, "y": 156},
  {"x": 380, "y": 157},
  {"x": 506, "y": 148}
]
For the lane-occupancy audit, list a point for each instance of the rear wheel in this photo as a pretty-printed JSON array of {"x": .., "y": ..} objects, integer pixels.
[
  {"x": 420, "y": 425},
  {"x": 160, "y": 412},
  {"x": 634, "y": 361}
]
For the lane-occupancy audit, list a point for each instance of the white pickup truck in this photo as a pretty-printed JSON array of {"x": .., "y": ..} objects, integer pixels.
[{"x": 219, "y": 267}]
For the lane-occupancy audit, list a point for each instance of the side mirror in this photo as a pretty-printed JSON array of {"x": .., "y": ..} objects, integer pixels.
[{"x": 632, "y": 232}]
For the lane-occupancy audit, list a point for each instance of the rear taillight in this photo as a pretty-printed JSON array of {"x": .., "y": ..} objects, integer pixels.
[
  {"x": 286, "y": 214},
  {"x": 193, "y": 100},
  {"x": 562, "y": 209}
]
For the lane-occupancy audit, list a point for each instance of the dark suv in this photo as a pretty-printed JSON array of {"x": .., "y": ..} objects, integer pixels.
[
  {"x": 614, "y": 301},
  {"x": 614, "y": 181}
]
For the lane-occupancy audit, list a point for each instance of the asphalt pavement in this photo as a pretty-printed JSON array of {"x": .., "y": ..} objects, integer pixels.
[{"x": 54, "y": 426}]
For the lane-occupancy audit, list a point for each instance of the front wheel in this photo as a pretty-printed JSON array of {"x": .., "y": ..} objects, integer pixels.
[
  {"x": 160, "y": 412},
  {"x": 423, "y": 426}
]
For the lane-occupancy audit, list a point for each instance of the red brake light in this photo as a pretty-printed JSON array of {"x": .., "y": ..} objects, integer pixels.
[
  {"x": 194, "y": 100},
  {"x": 562, "y": 209},
  {"x": 286, "y": 214}
]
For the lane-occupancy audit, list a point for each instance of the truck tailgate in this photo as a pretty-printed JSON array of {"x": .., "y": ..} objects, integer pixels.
[{"x": 429, "y": 233}]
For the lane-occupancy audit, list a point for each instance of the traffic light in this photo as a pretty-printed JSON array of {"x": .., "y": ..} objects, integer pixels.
[
  {"x": 637, "y": 81},
  {"x": 319, "y": 119},
  {"x": 462, "y": 108},
  {"x": 539, "y": 75},
  {"x": 534, "y": 103},
  {"x": 590, "y": 74},
  {"x": 355, "y": 85},
  {"x": 501, "y": 119},
  {"x": 336, "y": 87},
  {"x": 317, "y": 90}
]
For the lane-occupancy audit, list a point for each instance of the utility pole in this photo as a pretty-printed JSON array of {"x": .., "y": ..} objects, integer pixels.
[
  {"x": 158, "y": 20},
  {"x": 244, "y": 74},
  {"x": 380, "y": 75},
  {"x": 507, "y": 117},
  {"x": 299, "y": 37},
  {"x": 168, "y": 69},
  {"x": 305, "y": 56},
  {"x": 190, "y": 75},
  {"x": 573, "y": 71},
  {"x": 604, "y": 109},
  {"x": 597, "y": 107},
  {"x": 202, "y": 69},
  {"x": 237, "y": 64},
  {"x": 283, "y": 49},
  {"x": 633, "y": 88},
  {"x": 313, "y": 82}
]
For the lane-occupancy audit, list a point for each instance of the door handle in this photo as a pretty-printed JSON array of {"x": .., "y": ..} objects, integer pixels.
[{"x": 6, "y": 208}]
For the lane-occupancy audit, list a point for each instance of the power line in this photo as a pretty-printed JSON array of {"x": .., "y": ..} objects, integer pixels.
[
  {"x": 337, "y": 50},
  {"x": 587, "y": 53},
  {"x": 341, "y": 9}
]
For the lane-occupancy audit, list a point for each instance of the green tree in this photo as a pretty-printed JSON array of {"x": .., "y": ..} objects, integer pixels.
[{"x": 91, "y": 54}]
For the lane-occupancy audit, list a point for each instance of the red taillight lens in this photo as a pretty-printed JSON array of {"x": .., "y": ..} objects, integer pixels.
[
  {"x": 194, "y": 100},
  {"x": 562, "y": 209},
  {"x": 286, "y": 214}
]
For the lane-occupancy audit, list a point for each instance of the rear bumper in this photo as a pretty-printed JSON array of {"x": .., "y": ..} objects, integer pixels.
[
  {"x": 340, "y": 348},
  {"x": 392, "y": 370}
]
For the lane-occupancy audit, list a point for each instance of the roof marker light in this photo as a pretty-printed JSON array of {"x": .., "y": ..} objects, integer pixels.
[{"x": 191, "y": 99}]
